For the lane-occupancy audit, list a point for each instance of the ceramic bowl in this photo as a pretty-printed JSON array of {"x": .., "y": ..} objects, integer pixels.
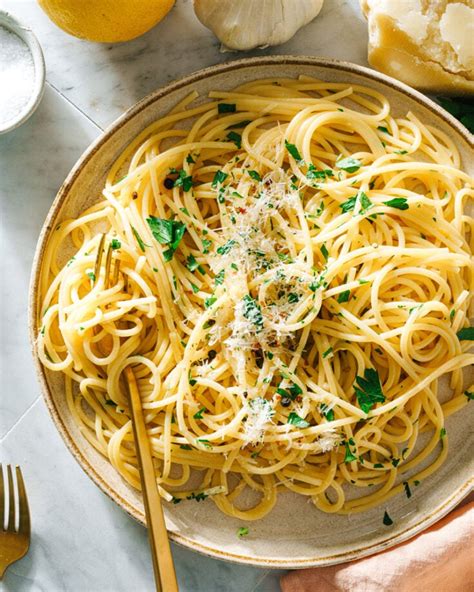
[
  {"x": 26, "y": 34},
  {"x": 295, "y": 533}
]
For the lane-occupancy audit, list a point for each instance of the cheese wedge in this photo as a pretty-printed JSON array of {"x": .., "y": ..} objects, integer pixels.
[{"x": 429, "y": 44}]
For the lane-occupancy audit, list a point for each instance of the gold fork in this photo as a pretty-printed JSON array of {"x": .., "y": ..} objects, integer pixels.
[
  {"x": 14, "y": 543},
  {"x": 162, "y": 559}
]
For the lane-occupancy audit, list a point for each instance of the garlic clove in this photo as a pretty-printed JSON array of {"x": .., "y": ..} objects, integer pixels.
[{"x": 246, "y": 24}]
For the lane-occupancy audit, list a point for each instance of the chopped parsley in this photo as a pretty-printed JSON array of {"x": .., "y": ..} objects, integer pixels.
[
  {"x": 296, "y": 420},
  {"x": 293, "y": 297},
  {"x": 349, "y": 457},
  {"x": 115, "y": 244},
  {"x": 344, "y": 296},
  {"x": 226, "y": 108},
  {"x": 327, "y": 352},
  {"x": 407, "y": 489},
  {"x": 328, "y": 413},
  {"x": 466, "y": 334},
  {"x": 91, "y": 275},
  {"x": 194, "y": 288},
  {"x": 255, "y": 175},
  {"x": 242, "y": 531},
  {"x": 442, "y": 433},
  {"x": 140, "y": 242},
  {"x": 219, "y": 178},
  {"x": 313, "y": 173},
  {"x": 400, "y": 203},
  {"x": 190, "y": 159},
  {"x": 204, "y": 442},
  {"x": 183, "y": 180},
  {"x": 252, "y": 311},
  {"x": 386, "y": 519},
  {"x": 236, "y": 138},
  {"x": 469, "y": 395},
  {"x": 349, "y": 205},
  {"x": 219, "y": 279},
  {"x": 209, "y": 301},
  {"x": 293, "y": 150},
  {"x": 324, "y": 252},
  {"x": 192, "y": 264},
  {"x": 383, "y": 129},
  {"x": 167, "y": 232},
  {"x": 368, "y": 390},
  {"x": 224, "y": 249},
  {"x": 349, "y": 164},
  {"x": 198, "y": 415},
  {"x": 185, "y": 447},
  {"x": 290, "y": 392}
]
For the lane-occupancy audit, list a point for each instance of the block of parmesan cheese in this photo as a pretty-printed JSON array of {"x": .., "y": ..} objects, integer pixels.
[{"x": 429, "y": 44}]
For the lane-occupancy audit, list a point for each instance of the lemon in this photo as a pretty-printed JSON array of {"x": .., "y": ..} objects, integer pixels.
[{"x": 107, "y": 21}]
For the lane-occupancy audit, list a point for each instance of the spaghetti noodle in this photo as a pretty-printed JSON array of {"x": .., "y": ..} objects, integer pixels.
[{"x": 295, "y": 276}]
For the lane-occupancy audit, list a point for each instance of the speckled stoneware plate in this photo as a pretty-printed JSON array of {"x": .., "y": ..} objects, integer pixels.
[{"x": 295, "y": 534}]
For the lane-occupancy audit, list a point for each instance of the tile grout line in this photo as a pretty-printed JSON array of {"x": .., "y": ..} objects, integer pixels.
[
  {"x": 9, "y": 431},
  {"x": 68, "y": 100}
]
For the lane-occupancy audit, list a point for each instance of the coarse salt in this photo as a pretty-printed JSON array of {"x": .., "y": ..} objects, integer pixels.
[{"x": 17, "y": 75}]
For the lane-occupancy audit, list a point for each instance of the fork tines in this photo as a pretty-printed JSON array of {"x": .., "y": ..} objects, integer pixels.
[{"x": 7, "y": 492}]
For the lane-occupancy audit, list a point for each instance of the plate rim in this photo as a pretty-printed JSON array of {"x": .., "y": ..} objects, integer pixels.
[{"x": 360, "y": 551}]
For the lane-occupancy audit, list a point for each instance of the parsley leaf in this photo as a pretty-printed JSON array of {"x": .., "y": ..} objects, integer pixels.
[
  {"x": 387, "y": 520},
  {"x": 185, "y": 181},
  {"x": 167, "y": 232},
  {"x": 219, "y": 178},
  {"x": 327, "y": 352},
  {"x": 236, "y": 138},
  {"x": 140, "y": 242},
  {"x": 344, "y": 296},
  {"x": 296, "y": 420},
  {"x": 313, "y": 173},
  {"x": 400, "y": 203},
  {"x": 198, "y": 415},
  {"x": 368, "y": 390},
  {"x": 226, "y": 108},
  {"x": 383, "y": 129},
  {"x": 255, "y": 176},
  {"x": 324, "y": 251},
  {"x": 349, "y": 164},
  {"x": 349, "y": 205},
  {"x": 224, "y": 249},
  {"x": 192, "y": 264},
  {"x": 349, "y": 457},
  {"x": 407, "y": 489},
  {"x": 115, "y": 244},
  {"x": 293, "y": 150},
  {"x": 466, "y": 334},
  {"x": 252, "y": 311},
  {"x": 243, "y": 531}
]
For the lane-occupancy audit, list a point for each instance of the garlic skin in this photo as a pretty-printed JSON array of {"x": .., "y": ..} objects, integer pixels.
[{"x": 246, "y": 24}]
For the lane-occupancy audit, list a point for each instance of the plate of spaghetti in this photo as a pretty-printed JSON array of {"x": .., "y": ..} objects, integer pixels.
[{"x": 281, "y": 249}]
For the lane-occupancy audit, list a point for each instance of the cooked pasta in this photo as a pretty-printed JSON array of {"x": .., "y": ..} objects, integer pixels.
[{"x": 289, "y": 275}]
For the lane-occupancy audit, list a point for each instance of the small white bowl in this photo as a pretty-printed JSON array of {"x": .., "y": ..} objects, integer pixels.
[{"x": 26, "y": 34}]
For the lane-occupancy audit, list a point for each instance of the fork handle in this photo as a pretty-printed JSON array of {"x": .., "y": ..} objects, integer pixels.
[{"x": 163, "y": 567}]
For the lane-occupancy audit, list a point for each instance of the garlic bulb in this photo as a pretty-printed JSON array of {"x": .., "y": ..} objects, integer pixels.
[{"x": 245, "y": 24}]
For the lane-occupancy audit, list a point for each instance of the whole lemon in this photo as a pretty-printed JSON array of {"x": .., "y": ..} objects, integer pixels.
[{"x": 106, "y": 21}]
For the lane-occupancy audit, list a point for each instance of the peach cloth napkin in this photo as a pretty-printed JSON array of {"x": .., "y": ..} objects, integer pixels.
[{"x": 441, "y": 559}]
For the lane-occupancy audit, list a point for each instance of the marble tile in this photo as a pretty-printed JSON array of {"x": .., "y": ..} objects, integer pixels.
[
  {"x": 34, "y": 161},
  {"x": 105, "y": 79},
  {"x": 82, "y": 542}
]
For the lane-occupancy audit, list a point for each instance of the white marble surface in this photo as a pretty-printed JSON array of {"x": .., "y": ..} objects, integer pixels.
[{"x": 82, "y": 542}]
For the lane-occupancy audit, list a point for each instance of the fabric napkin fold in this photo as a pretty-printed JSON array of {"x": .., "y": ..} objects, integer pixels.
[{"x": 440, "y": 559}]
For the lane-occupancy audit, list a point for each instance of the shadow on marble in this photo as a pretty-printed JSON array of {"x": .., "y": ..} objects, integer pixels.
[{"x": 34, "y": 160}]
